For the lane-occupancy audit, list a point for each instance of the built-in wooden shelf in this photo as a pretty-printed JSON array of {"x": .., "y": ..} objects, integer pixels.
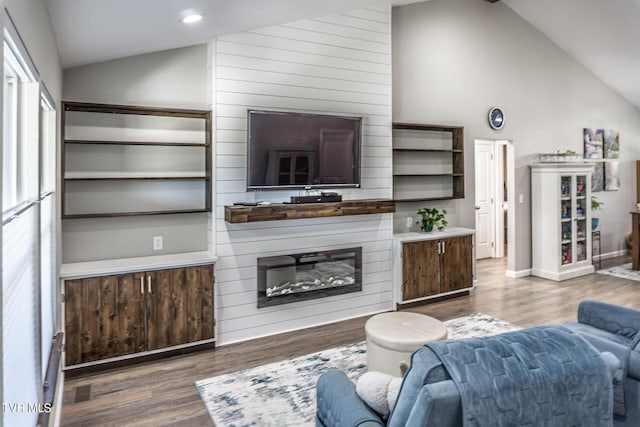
[
  {"x": 89, "y": 107},
  {"x": 428, "y": 162},
  {"x": 135, "y": 178},
  {"x": 124, "y": 175},
  {"x": 283, "y": 211},
  {"x": 145, "y": 213},
  {"x": 150, "y": 143},
  {"x": 426, "y": 150},
  {"x": 421, "y": 199}
]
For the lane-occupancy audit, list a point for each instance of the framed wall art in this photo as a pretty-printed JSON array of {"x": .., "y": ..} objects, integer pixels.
[
  {"x": 611, "y": 144},
  {"x": 611, "y": 175},
  {"x": 597, "y": 178},
  {"x": 593, "y": 143}
]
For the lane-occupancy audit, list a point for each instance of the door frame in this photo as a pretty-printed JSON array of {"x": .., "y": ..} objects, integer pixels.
[{"x": 499, "y": 162}]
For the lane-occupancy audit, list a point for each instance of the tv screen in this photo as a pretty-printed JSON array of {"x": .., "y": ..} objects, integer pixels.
[{"x": 300, "y": 150}]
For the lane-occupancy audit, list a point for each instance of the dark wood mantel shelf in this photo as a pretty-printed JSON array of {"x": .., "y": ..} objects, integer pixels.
[{"x": 284, "y": 211}]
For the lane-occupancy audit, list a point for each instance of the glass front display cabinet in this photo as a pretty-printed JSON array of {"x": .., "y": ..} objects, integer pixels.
[{"x": 561, "y": 220}]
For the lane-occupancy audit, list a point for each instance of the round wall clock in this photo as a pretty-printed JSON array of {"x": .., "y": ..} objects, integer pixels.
[{"x": 496, "y": 118}]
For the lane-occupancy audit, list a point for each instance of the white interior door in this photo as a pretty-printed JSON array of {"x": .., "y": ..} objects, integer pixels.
[{"x": 485, "y": 199}]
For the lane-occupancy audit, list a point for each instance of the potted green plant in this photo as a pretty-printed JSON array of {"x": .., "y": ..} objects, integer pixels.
[
  {"x": 595, "y": 205},
  {"x": 432, "y": 217}
]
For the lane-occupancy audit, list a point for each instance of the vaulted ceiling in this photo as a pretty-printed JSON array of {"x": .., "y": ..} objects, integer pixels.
[
  {"x": 96, "y": 30},
  {"x": 601, "y": 34}
]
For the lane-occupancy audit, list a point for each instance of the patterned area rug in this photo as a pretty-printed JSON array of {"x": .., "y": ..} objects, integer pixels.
[
  {"x": 283, "y": 393},
  {"x": 623, "y": 271}
]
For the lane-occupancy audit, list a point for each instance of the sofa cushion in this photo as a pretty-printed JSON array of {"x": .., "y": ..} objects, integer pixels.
[
  {"x": 616, "y": 319},
  {"x": 601, "y": 333},
  {"x": 606, "y": 341},
  {"x": 379, "y": 391}
]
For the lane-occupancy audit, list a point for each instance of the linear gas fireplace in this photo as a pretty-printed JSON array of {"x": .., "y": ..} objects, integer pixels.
[{"x": 298, "y": 277}]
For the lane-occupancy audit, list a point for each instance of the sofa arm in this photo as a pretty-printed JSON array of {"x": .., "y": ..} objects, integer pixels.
[
  {"x": 338, "y": 404},
  {"x": 616, "y": 319},
  {"x": 438, "y": 404}
]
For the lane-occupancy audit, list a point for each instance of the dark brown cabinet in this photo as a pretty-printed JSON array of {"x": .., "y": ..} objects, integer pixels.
[
  {"x": 438, "y": 266},
  {"x": 117, "y": 315}
]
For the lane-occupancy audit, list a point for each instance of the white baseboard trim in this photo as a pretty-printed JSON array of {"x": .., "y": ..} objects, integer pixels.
[
  {"x": 527, "y": 272},
  {"x": 608, "y": 255},
  {"x": 517, "y": 274}
]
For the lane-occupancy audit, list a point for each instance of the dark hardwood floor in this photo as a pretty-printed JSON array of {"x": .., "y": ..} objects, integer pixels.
[{"x": 162, "y": 393}]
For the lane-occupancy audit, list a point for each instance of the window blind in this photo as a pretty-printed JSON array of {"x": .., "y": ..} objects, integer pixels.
[{"x": 20, "y": 332}]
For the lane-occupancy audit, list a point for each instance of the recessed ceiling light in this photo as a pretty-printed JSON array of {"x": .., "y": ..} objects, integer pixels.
[{"x": 191, "y": 18}]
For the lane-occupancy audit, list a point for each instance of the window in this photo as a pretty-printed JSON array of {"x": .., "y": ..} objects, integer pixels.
[
  {"x": 28, "y": 231},
  {"x": 47, "y": 144},
  {"x": 10, "y": 133},
  {"x": 47, "y": 227}
]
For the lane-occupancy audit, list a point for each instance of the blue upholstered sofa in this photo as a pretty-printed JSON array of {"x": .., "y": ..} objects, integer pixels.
[
  {"x": 429, "y": 397},
  {"x": 615, "y": 329}
]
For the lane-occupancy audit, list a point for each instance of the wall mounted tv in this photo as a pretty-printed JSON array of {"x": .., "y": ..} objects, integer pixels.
[{"x": 298, "y": 150}]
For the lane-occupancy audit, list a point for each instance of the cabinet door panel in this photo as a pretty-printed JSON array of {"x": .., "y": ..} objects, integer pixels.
[
  {"x": 193, "y": 291},
  {"x": 104, "y": 317},
  {"x": 108, "y": 342},
  {"x": 165, "y": 313},
  {"x": 157, "y": 301},
  {"x": 206, "y": 277},
  {"x": 129, "y": 316},
  {"x": 199, "y": 289},
  {"x": 457, "y": 264},
  {"x": 73, "y": 321},
  {"x": 420, "y": 269},
  {"x": 180, "y": 306}
]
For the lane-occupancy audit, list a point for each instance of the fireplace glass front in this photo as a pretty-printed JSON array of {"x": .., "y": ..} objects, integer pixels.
[{"x": 297, "y": 277}]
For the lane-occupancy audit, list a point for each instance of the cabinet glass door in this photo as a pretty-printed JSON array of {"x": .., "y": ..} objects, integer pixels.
[
  {"x": 573, "y": 218},
  {"x": 566, "y": 220},
  {"x": 581, "y": 218}
]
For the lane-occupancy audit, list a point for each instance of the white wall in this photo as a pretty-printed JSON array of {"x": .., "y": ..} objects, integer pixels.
[
  {"x": 174, "y": 78},
  {"x": 453, "y": 60},
  {"x": 31, "y": 17},
  {"x": 171, "y": 78},
  {"x": 338, "y": 65}
]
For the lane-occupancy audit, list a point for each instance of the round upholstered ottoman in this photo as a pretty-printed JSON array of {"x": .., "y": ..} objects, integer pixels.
[{"x": 393, "y": 337}]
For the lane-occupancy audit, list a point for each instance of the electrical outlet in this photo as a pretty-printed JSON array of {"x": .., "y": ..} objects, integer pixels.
[
  {"x": 158, "y": 243},
  {"x": 409, "y": 222}
]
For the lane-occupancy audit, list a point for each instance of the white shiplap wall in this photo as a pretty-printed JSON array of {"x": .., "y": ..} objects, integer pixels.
[{"x": 337, "y": 65}]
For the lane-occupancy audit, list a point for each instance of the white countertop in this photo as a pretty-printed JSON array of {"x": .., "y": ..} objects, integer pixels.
[
  {"x": 125, "y": 265},
  {"x": 434, "y": 235}
]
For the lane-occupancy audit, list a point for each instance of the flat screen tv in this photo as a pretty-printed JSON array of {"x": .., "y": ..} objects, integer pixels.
[{"x": 298, "y": 150}]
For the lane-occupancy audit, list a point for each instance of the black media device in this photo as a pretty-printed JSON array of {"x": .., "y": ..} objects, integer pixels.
[
  {"x": 316, "y": 199},
  {"x": 289, "y": 150}
]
